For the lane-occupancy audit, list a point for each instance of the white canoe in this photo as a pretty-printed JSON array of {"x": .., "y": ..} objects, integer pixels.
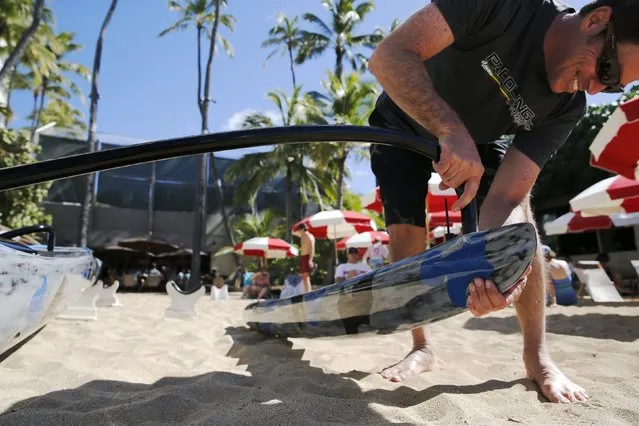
[{"x": 37, "y": 284}]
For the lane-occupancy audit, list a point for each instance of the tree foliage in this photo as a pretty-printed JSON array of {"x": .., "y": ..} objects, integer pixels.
[{"x": 20, "y": 207}]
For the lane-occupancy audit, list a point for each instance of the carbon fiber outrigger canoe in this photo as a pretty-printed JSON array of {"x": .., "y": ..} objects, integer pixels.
[
  {"x": 424, "y": 288},
  {"x": 37, "y": 282}
]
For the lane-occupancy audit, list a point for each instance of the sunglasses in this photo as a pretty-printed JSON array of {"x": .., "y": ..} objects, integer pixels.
[{"x": 608, "y": 71}]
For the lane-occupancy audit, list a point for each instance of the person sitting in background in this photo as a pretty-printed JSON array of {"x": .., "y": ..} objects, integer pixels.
[
  {"x": 260, "y": 286},
  {"x": 293, "y": 285},
  {"x": 352, "y": 268},
  {"x": 559, "y": 286},
  {"x": 376, "y": 254}
]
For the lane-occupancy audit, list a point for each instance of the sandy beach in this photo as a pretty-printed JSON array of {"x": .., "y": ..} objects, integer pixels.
[{"x": 133, "y": 366}]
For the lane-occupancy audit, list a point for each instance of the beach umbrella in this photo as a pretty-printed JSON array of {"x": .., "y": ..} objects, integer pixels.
[
  {"x": 616, "y": 194},
  {"x": 363, "y": 240},
  {"x": 574, "y": 222},
  {"x": 435, "y": 199},
  {"x": 441, "y": 231},
  {"x": 146, "y": 243},
  {"x": 442, "y": 219},
  {"x": 616, "y": 146},
  {"x": 335, "y": 224},
  {"x": 266, "y": 248}
]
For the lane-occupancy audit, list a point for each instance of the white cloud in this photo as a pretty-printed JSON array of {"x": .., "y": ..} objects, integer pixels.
[{"x": 236, "y": 120}]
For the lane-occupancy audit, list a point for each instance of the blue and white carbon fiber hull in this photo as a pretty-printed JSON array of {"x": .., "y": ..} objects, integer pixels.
[
  {"x": 424, "y": 288},
  {"x": 37, "y": 284}
]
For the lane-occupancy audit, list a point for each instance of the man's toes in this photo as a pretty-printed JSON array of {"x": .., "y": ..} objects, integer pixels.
[
  {"x": 389, "y": 373},
  {"x": 581, "y": 395},
  {"x": 399, "y": 377},
  {"x": 571, "y": 396}
]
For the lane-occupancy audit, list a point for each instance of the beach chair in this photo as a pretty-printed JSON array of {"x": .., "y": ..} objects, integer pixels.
[
  {"x": 153, "y": 281},
  {"x": 595, "y": 280}
]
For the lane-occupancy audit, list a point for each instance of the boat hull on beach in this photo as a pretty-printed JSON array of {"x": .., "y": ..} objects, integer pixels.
[{"x": 36, "y": 284}]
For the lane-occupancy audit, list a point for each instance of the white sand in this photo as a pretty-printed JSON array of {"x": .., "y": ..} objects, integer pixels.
[{"x": 133, "y": 366}]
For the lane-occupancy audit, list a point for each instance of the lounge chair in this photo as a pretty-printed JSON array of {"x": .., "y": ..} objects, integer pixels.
[{"x": 596, "y": 282}]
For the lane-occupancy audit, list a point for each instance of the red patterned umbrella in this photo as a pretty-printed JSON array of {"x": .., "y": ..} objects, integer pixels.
[
  {"x": 574, "y": 222},
  {"x": 266, "y": 247},
  {"x": 363, "y": 240},
  {"x": 436, "y": 198},
  {"x": 616, "y": 194},
  {"x": 439, "y": 218},
  {"x": 334, "y": 224},
  {"x": 616, "y": 147}
]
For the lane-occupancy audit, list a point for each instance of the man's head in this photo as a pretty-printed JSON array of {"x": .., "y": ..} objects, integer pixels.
[
  {"x": 597, "y": 50},
  {"x": 301, "y": 227},
  {"x": 352, "y": 255}
]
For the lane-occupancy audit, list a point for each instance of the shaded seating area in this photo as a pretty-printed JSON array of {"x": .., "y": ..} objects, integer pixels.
[{"x": 147, "y": 264}]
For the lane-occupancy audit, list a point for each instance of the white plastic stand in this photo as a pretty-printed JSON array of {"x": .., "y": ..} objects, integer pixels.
[
  {"x": 84, "y": 308},
  {"x": 182, "y": 305},
  {"x": 107, "y": 297},
  {"x": 220, "y": 293}
]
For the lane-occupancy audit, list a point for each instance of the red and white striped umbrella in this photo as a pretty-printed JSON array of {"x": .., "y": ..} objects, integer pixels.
[
  {"x": 334, "y": 224},
  {"x": 616, "y": 194},
  {"x": 575, "y": 222},
  {"x": 436, "y": 198},
  {"x": 439, "y": 218},
  {"x": 616, "y": 147},
  {"x": 266, "y": 247},
  {"x": 440, "y": 231},
  {"x": 363, "y": 240}
]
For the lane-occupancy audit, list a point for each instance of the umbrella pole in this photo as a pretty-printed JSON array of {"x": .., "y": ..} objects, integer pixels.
[
  {"x": 599, "y": 242},
  {"x": 335, "y": 244}
]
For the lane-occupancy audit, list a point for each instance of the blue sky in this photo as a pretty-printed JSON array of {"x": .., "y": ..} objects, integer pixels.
[{"x": 148, "y": 84}]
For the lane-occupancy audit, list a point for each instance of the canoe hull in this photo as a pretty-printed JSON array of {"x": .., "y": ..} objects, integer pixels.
[
  {"x": 36, "y": 286},
  {"x": 424, "y": 288}
]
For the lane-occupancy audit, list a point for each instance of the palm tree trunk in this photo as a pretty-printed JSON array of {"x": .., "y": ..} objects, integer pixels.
[
  {"x": 292, "y": 65},
  {"x": 152, "y": 197},
  {"x": 36, "y": 118},
  {"x": 34, "y": 113},
  {"x": 93, "y": 124},
  {"x": 339, "y": 59},
  {"x": 15, "y": 56},
  {"x": 200, "y": 205},
  {"x": 288, "y": 202},
  {"x": 7, "y": 118},
  {"x": 341, "y": 164}
]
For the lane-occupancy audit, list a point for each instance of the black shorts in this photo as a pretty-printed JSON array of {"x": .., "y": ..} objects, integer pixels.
[{"x": 402, "y": 176}]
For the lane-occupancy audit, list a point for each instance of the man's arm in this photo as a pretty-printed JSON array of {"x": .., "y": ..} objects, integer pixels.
[
  {"x": 397, "y": 63},
  {"x": 511, "y": 187}
]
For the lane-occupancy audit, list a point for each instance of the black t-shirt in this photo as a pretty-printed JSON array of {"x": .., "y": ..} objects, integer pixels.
[{"x": 494, "y": 76}]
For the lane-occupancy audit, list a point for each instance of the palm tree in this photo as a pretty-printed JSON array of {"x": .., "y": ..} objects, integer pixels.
[
  {"x": 206, "y": 17},
  {"x": 346, "y": 15},
  {"x": 266, "y": 223},
  {"x": 63, "y": 114},
  {"x": 256, "y": 170},
  {"x": 288, "y": 37},
  {"x": 54, "y": 83},
  {"x": 18, "y": 50},
  {"x": 15, "y": 18},
  {"x": 346, "y": 101},
  {"x": 93, "y": 120}
]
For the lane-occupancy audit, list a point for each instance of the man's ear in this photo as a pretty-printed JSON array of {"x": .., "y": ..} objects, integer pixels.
[{"x": 596, "y": 21}]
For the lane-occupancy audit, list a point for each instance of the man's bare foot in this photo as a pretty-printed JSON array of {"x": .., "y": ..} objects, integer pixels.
[
  {"x": 553, "y": 384},
  {"x": 418, "y": 361}
]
